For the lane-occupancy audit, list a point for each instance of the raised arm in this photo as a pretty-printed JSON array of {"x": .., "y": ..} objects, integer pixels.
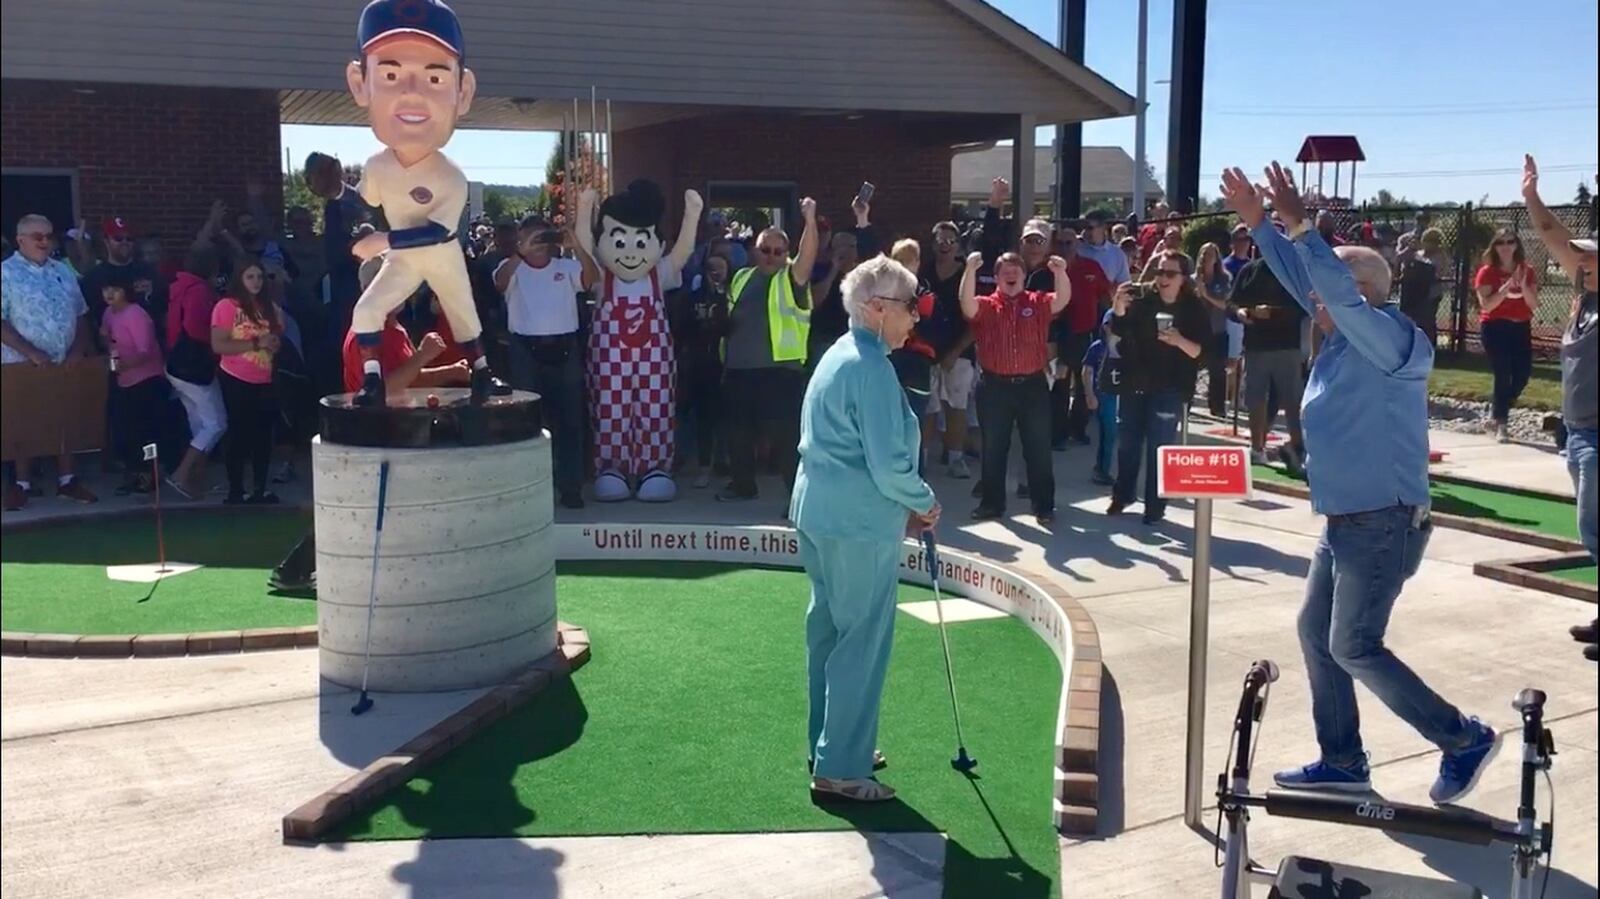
[
  {"x": 583, "y": 229},
  {"x": 684, "y": 248},
  {"x": 806, "y": 259},
  {"x": 1555, "y": 236},
  {"x": 1063, "y": 293},
  {"x": 503, "y": 272},
  {"x": 969, "y": 286}
]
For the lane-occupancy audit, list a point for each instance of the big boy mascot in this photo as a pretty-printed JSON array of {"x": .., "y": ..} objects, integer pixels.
[
  {"x": 631, "y": 364},
  {"x": 412, "y": 79}
]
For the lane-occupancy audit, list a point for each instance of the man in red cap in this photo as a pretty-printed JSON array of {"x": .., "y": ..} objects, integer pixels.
[{"x": 122, "y": 266}]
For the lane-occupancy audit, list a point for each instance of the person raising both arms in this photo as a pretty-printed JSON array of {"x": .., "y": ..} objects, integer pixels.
[{"x": 1366, "y": 428}]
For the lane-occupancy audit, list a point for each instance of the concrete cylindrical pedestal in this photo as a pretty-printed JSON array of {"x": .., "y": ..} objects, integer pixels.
[{"x": 466, "y": 590}]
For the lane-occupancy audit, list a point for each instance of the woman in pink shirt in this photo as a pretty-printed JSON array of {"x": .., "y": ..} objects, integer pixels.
[
  {"x": 245, "y": 333},
  {"x": 130, "y": 337},
  {"x": 192, "y": 366}
]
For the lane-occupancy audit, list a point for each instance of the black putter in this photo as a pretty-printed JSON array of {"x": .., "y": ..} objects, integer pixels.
[
  {"x": 962, "y": 762},
  {"x": 365, "y": 702}
]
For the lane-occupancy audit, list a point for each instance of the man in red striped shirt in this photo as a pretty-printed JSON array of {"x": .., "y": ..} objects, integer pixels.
[{"x": 1011, "y": 328}]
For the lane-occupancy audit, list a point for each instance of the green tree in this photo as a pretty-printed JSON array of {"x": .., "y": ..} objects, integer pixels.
[
  {"x": 1112, "y": 209},
  {"x": 1384, "y": 199},
  {"x": 1583, "y": 197}
]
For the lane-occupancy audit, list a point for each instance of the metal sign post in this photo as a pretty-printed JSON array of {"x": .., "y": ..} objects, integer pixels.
[
  {"x": 1203, "y": 474},
  {"x": 1199, "y": 642}
]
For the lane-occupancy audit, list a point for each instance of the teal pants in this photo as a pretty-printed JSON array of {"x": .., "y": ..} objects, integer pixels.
[{"x": 849, "y": 627}]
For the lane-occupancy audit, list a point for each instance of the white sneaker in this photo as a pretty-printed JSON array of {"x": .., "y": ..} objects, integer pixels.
[
  {"x": 703, "y": 479},
  {"x": 1502, "y": 434},
  {"x": 959, "y": 469}
]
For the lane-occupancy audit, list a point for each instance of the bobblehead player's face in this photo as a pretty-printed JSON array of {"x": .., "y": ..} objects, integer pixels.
[
  {"x": 629, "y": 252},
  {"x": 413, "y": 89}
]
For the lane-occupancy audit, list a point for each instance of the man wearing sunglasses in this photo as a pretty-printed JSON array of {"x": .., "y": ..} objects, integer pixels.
[
  {"x": 764, "y": 354},
  {"x": 122, "y": 266},
  {"x": 43, "y": 321}
]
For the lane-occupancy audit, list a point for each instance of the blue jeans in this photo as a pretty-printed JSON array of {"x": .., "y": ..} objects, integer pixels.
[
  {"x": 1360, "y": 564},
  {"x": 1583, "y": 448},
  {"x": 1509, "y": 346},
  {"x": 1106, "y": 415},
  {"x": 1144, "y": 421}
]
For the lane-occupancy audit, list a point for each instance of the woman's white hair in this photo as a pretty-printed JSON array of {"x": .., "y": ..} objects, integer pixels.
[
  {"x": 879, "y": 276},
  {"x": 1370, "y": 270}
]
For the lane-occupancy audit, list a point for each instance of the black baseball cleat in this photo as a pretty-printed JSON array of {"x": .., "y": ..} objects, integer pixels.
[
  {"x": 371, "y": 392},
  {"x": 485, "y": 385}
]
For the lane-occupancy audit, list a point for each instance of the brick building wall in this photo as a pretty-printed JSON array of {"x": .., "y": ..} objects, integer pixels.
[
  {"x": 827, "y": 158},
  {"x": 156, "y": 155}
]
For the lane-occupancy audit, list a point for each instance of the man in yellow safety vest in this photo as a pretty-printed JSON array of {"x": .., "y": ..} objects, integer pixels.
[{"x": 764, "y": 354}]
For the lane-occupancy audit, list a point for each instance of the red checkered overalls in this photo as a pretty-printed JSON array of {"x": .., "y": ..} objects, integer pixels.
[{"x": 631, "y": 373}]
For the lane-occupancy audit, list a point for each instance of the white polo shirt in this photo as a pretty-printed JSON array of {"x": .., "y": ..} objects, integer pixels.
[{"x": 543, "y": 301}]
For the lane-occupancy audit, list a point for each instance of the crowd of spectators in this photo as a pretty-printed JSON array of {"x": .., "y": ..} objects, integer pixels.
[{"x": 1062, "y": 333}]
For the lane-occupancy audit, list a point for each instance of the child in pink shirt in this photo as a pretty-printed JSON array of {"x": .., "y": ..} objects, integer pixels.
[{"x": 141, "y": 391}]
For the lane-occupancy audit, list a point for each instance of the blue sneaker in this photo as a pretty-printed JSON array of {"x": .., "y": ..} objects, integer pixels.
[
  {"x": 1320, "y": 775},
  {"x": 1459, "y": 771}
]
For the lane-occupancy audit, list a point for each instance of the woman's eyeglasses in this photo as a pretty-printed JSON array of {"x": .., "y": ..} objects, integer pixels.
[
  {"x": 1506, "y": 243},
  {"x": 910, "y": 306},
  {"x": 1168, "y": 273}
]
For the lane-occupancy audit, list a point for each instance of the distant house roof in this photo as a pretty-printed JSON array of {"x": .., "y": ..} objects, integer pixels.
[
  {"x": 1106, "y": 171},
  {"x": 1331, "y": 148}
]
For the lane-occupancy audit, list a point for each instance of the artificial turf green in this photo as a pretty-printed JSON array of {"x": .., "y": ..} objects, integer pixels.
[
  {"x": 1581, "y": 574},
  {"x": 691, "y": 715},
  {"x": 54, "y": 578},
  {"x": 1556, "y": 518}
]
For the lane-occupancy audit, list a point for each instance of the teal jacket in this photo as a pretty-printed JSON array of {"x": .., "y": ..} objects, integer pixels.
[{"x": 859, "y": 445}]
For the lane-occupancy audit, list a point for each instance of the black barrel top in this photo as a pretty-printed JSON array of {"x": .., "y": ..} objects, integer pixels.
[{"x": 424, "y": 417}]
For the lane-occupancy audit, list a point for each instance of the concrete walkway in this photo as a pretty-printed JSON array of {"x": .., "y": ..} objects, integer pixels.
[{"x": 169, "y": 776}]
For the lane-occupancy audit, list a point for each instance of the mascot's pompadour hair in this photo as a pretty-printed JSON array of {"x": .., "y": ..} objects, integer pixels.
[{"x": 640, "y": 206}]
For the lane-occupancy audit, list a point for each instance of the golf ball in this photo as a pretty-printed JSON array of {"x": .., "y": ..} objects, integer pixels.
[{"x": 433, "y": 401}]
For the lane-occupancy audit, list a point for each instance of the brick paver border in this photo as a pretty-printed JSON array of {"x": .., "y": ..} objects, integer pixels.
[
  {"x": 1530, "y": 573},
  {"x": 327, "y": 810},
  {"x": 122, "y": 646}
]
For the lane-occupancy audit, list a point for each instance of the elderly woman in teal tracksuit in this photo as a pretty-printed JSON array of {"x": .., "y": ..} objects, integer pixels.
[{"x": 856, "y": 497}]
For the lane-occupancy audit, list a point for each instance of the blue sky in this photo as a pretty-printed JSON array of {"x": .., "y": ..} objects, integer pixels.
[{"x": 1445, "y": 97}]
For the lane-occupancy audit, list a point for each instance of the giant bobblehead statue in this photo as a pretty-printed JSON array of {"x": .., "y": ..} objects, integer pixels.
[
  {"x": 412, "y": 79},
  {"x": 631, "y": 363}
]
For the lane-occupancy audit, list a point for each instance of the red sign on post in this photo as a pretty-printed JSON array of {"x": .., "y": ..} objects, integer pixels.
[{"x": 1203, "y": 472}]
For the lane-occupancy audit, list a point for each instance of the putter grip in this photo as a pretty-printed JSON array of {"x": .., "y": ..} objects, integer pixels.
[
  {"x": 932, "y": 550},
  {"x": 383, "y": 489}
]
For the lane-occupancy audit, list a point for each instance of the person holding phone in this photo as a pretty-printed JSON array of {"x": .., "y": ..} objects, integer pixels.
[
  {"x": 1163, "y": 329},
  {"x": 541, "y": 291}
]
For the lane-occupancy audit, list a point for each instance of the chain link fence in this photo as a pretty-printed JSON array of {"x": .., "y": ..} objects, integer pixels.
[{"x": 1467, "y": 231}]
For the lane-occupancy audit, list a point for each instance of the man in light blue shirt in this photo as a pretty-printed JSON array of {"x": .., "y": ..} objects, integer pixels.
[
  {"x": 1094, "y": 245},
  {"x": 1365, "y": 416},
  {"x": 42, "y": 315}
]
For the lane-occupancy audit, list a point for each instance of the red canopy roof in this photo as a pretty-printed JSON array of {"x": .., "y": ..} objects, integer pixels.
[{"x": 1331, "y": 148}]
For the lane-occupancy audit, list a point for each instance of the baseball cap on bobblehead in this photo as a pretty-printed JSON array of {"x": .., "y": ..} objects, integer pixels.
[{"x": 429, "y": 18}]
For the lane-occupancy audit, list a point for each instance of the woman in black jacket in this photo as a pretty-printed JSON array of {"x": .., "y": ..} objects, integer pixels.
[{"x": 1164, "y": 330}]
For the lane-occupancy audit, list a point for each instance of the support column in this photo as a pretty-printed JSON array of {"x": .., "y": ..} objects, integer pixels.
[
  {"x": 1022, "y": 186},
  {"x": 1069, "y": 138},
  {"x": 1183, "y": 125}
]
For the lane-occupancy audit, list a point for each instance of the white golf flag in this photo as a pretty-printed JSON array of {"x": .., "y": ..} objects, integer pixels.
[{"x": 149, "y": 451}]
